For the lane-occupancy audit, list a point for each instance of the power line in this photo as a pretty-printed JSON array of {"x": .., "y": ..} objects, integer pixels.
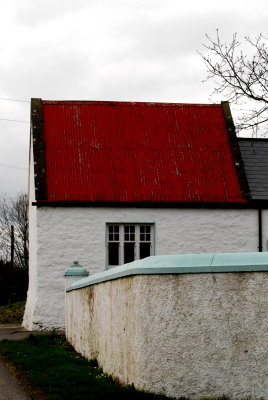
[
  {"x": 12, "y": 166},
  {"x": 13, "y": 120},
  {"x": 21, "y": 101}
]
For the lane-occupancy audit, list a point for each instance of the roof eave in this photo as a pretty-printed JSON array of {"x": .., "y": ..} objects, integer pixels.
[{"x": 250, "y": 204}]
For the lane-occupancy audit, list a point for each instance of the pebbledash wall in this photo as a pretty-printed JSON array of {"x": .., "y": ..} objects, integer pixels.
[
  {"x": 59, "y": 235},
  {"x": 186, "y": 325}
]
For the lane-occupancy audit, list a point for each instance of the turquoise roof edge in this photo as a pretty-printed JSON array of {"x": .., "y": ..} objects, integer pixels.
[{"x": 180, "y": 264}]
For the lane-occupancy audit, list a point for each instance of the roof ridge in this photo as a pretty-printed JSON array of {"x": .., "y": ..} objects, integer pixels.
[{"x": 129, "y": 103}]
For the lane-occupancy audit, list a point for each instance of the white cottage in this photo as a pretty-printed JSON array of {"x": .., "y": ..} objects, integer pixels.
[{"x": 111, "y": 182}]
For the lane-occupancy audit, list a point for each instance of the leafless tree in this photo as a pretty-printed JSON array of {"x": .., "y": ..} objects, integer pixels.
[
  {"x": 240, "y": 73},
  {"x": 14, "y": 238}
]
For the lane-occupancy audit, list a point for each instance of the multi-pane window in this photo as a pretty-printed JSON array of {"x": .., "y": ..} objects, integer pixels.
[{"x": 128, "y": 242}]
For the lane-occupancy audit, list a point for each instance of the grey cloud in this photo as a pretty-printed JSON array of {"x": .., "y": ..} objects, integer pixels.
[
  {"x": 150, "y": 82},
  {"x": 34, "y": 13},
  {"x": 13, "y": 152},
  {"x": 179, "y": 35},
  {"x": 47, "y": 72},
  {"x": 12, "y": 181}
]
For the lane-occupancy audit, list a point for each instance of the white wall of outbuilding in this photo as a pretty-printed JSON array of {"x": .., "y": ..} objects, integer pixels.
[{"x": 60, "y": 235}]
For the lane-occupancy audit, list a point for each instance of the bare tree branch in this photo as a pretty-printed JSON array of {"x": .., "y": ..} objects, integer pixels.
[
  {"x": 241, "y": 75},
  {"x": 14, "y": 211}
]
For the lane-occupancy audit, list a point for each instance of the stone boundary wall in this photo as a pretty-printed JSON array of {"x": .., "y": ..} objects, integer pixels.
[{"x": 186, "y": 325}]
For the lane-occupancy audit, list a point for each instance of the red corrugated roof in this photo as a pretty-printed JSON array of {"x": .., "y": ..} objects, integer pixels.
[{"x": 137, "y": 152}]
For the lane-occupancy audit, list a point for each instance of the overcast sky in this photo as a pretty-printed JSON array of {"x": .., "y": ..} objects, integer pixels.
[{"x": 128, "y": 50}]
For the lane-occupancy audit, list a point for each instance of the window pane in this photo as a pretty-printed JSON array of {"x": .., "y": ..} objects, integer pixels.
[
  {"x": 113, "y": 257},
  {"x": 128, "y": 252},
  {"x": 145, "y": 250},
  {"x": 129, "y": 233},
  {"x": 126, "y": 231},
  {"x": 113, "y": 233},
  {"x": 145, "y": 233}
]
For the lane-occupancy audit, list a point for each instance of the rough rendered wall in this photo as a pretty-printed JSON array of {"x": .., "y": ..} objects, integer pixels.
[
  {"x": 33, "y": 278},
  {"x": 198, "y": 335},
  {"x": 67, "y": 234}
]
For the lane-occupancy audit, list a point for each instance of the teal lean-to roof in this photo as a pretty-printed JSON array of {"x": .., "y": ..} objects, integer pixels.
[{"x": 181, "y": 264}]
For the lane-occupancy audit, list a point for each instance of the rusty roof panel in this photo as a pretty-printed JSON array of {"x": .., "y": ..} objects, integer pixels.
[{"x": 137, "y": 152}]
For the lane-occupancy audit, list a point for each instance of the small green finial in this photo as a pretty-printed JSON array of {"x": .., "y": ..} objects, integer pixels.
[{"x": 76, "y": 270}]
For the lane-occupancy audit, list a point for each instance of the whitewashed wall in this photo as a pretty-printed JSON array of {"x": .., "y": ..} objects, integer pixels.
[
  {"x": 60, "y": 235},
  {"x": 32, "y": 295},
  {"x": 192, "y": 335},
  {"x": 265, "y": 229}
]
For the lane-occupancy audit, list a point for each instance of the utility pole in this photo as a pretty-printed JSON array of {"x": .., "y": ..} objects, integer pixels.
[{"x": 12, "y": 247}]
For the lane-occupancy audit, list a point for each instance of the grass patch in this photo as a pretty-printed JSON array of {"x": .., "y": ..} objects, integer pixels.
[
  {"x": 12, "y": 313},
  {"x": 50, "y": 369}
]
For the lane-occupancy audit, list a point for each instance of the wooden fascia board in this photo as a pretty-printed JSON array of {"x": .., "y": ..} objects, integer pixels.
[
  {"x": 237, "y": 157},
  {"x": 39, "y": 155}
]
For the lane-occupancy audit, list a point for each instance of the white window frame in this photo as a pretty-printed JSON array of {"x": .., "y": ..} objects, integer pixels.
[{"x": 137, "y": 241}]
